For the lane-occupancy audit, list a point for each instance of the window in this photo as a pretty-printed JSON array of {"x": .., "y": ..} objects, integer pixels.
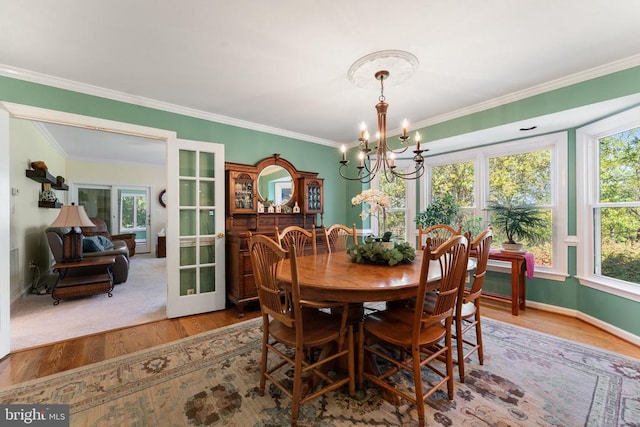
[
  {"x": 457, "y": 179},
  {"x": 609, "y": 166},
  {"x": 526, "y": 179},
  {"x": 133, "y": 212},
  {"x": 531, "y": 170},
  {"x": 399, "y": 191}
]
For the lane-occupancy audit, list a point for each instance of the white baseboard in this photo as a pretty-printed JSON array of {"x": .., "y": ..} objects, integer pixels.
[{"x": 613, "y": 330}]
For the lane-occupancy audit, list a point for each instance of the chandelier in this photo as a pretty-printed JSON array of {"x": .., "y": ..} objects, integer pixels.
[{"x": 376, "y": 157}]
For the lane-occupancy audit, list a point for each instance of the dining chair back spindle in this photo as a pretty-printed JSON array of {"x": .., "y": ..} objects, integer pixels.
[
  {"x": 438, "y": 233},
  {"x": 417, "y": 339},
  {"x": 298, "y": 237},
  {"x": 306, "y": 344},
  {"x": 339, "y": 238}
]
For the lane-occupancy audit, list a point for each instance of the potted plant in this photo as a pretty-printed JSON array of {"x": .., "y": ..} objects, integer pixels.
[
  {"x": 473, "y": 226},
  {"x": 518, "y": 222},
  {"x": 442, "y": 210}
]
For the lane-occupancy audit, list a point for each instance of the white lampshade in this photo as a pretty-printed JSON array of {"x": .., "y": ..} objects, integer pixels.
[{"x": 72, "y": 216}]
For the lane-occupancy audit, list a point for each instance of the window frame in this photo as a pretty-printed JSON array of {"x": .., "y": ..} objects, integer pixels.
[
  {"x": 410, "y": 188},
  {"x": 137, "y": 227},
  {"x": 587, "y": 160},
  {"x": 558, "y": 144}
]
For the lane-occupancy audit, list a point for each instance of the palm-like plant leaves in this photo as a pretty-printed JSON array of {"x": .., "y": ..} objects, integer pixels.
[{"x": 518, "y": 221}]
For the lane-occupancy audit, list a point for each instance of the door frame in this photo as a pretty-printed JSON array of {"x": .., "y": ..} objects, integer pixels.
[
  {"x": 29, "y": 112},
  {"x": 5, "y": 250}
]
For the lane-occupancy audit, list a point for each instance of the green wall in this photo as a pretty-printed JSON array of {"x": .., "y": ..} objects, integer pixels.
[
  {"x": 247, "y": 146},
  {"x": 241, "y": 145}
]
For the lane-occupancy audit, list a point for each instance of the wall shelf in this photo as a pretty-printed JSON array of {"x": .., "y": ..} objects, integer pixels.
[
  {"x": 55, "y": 205},
  {"x": 45, "y": 177}
]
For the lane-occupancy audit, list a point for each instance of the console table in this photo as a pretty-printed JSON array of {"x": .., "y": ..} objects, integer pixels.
[
  {"x": 161, "y": 247},
  {"x": 98, "y": 282},
  {"x": 518, "y": 284}
]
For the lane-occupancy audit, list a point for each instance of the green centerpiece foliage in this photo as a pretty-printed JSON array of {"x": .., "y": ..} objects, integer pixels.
[{"x": 375, "y": 253}]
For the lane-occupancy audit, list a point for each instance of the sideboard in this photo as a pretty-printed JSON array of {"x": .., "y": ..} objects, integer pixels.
[{"x": 261, "y": 197}]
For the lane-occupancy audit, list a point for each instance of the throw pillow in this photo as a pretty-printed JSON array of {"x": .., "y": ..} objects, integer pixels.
[
  {"x": 91, "y": 244},
  {"x": 105, "y": 242}
]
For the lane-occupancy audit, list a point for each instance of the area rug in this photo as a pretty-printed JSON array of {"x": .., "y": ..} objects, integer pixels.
[
  {"x": 141, "y": 299},
  {"x": 210, "y": 379}
]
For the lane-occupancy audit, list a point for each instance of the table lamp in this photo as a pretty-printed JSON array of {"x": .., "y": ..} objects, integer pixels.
[{"x": 72, "y": 216}]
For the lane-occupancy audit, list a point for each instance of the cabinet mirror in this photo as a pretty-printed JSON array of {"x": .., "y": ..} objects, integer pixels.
[{"x": 276, "y": 185}]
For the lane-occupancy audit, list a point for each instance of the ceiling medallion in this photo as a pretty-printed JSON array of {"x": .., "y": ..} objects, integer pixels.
[
  {"x": 377, "y": 156},
  {"x": 400, "y": 64}
]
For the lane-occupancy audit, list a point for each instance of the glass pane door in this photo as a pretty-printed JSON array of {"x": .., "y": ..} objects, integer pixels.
[
  {"x": 134, "y": 215},
  {"x": 200, "y": 283},
  {"x": 96, "y": 201}
]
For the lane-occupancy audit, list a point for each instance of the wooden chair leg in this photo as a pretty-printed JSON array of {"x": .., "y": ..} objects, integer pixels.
[
  {"x": 417, "y": 379},
  {"x": 297, "y": 387},
  {"x": 360, "y": 355},
  {"x": 263, "y": 361},
  {"x": 449, "y": 367},
  {"x": 351, "y": 362},
  {"x": 479, "y": 337},
  {"x": 460, "y": 348}
]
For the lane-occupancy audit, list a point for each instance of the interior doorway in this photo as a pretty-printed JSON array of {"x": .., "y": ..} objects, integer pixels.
[{"x": 100, "y": 126}]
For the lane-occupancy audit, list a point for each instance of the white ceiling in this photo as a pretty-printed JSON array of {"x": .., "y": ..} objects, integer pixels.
[{"x": 281, "y": 65}]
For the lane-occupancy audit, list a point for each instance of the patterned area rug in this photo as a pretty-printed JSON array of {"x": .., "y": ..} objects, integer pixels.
[{"x": 528, "y": 379}]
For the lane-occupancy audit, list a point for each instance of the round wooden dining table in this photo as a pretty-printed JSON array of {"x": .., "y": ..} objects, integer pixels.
[{"x": 334, "y": 277}]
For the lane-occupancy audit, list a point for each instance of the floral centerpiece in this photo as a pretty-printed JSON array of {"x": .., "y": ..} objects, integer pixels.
[
  {"x": 377, "y": 202},
  {"x": 372, "y": 252},
  {"x": 378, "y": 250}
]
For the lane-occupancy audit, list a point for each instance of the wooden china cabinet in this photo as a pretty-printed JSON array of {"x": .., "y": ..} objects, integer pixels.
[{"x": 272, "y": 181}]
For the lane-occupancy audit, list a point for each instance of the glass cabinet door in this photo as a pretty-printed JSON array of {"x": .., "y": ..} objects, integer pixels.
[
  {"x": 313, "y": 200},
  {"x": 243, "y": 190}
]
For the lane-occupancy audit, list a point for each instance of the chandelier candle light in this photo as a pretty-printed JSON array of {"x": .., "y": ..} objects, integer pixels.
[{"x": 381, "y": 158}]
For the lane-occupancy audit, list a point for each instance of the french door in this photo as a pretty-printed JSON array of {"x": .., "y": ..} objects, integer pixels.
[{"x": 195, "y": 228}]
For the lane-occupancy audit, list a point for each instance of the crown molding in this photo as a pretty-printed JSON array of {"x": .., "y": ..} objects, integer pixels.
[
  {"x": 582, "y": 76},
  {"x": 44, "y": 131},
  {"x": 87, "y": 89},
  {"x": 34, "y": 77}
]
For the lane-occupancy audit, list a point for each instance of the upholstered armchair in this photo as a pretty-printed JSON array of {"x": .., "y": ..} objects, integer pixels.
[
  {"x": 101, "y": 230},
  {"x": 120, "y": 268}
]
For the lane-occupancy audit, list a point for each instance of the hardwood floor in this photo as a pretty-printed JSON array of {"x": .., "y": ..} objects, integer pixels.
[{"x": 46, "y": 360}]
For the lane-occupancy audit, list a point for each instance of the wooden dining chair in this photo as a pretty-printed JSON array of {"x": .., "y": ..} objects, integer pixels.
[
  {"x": 292, "y": 337},
  {"x": 338, "y": 237},
  {"x": 467, "y": 315},
  {"x": 439, "y": 233},
  {"x": 410, "y": 339},
  {"x": 298, "y": 237}
]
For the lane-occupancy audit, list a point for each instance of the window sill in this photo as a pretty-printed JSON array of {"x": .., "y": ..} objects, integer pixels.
[
  {"x": 504, "y": 267},
  {"x": 614, "y": 287}
]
